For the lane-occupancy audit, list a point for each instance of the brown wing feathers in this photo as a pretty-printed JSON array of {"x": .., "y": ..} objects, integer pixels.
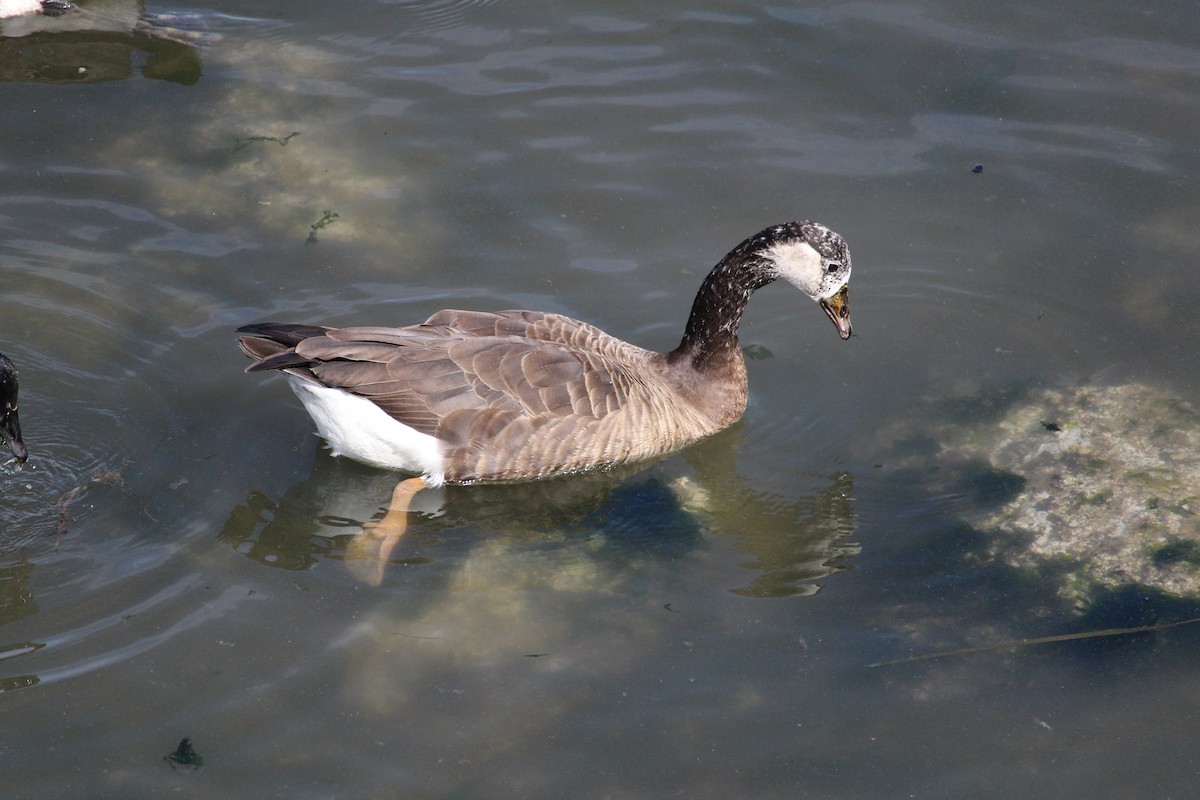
[{"x": 458, "y": 361}]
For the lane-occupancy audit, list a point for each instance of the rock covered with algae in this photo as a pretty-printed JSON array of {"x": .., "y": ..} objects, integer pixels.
[{"x": 1099, "y": 484}]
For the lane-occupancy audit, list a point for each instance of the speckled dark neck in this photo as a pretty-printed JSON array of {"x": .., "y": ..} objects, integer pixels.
[{"x": 711, "y": 332}]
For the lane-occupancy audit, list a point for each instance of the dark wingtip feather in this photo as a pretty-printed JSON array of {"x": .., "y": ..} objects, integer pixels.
[
  {"x": 285, "y": 334},
  {"x": 283, "y": 360}
]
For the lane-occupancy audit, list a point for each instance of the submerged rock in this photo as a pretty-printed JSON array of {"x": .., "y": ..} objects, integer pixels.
[{"x": 1097, "y": 486}]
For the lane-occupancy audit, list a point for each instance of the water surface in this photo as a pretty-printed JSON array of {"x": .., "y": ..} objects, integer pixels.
[{"x": 177, "y": 559}]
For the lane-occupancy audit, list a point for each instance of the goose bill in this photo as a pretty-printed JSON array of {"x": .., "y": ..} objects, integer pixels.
[
  {"x": 10, "y": 431},
  {"x": 837, "y": 308}
]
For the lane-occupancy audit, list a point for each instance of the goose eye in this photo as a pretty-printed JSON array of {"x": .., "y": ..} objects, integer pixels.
[{"x": 832, "y": 266}]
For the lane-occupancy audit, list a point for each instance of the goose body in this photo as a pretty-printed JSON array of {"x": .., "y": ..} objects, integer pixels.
[
  {"x": 471, "y": 396},
  {"x": 10, "y": 425}
]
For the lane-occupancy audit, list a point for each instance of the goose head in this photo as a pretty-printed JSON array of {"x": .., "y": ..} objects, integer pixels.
[
  {"x": 815, "y": 260},
  {"x": 10, "y": 426},
  {"x": 806, "y": 254}
]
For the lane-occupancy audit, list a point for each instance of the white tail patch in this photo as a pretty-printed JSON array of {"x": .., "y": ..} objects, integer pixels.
[{"x": 357, "y": 428}]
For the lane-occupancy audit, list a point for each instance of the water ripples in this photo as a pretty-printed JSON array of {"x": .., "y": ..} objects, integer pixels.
[
  {"x": 436, "y": 16},
  {"x": 86, "y": 515}
]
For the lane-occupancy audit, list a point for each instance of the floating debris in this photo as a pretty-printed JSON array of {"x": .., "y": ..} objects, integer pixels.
[{"x": 1064, "y": 637}]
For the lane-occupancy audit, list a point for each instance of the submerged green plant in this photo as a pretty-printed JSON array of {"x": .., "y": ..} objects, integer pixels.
[
  {"x": 321, "y": 224},
  {"x": 1100, "y": 498},
  {"x": 757, "y": 352},
  {"x": 1177, "y": 551},
  {"x": 249, "y": 140},
  {"x": 185, "y": 756}
]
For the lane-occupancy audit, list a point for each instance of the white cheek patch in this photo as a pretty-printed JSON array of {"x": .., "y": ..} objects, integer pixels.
[{"x": 800, "y": 265}]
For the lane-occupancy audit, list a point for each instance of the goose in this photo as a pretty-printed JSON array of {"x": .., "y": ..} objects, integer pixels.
[
  {"x": 10, "y": 425},
  {"x": 17, "y": 8},
  {"x": 476, "y": 397}
]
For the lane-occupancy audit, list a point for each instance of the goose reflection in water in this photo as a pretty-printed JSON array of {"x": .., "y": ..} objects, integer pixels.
[
  {"x": 631, "y": 519},
  {"x": 98, "y": 40}
]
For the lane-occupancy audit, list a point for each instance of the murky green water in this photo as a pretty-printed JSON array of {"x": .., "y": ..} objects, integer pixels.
[{"x": 179, "y": 556}]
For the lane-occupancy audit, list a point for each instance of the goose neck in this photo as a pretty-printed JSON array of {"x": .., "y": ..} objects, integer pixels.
[{"x": 712, "y": 326}]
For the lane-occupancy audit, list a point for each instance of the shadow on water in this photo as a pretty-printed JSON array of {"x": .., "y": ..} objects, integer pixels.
[{"x": 625, "y": 521}]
